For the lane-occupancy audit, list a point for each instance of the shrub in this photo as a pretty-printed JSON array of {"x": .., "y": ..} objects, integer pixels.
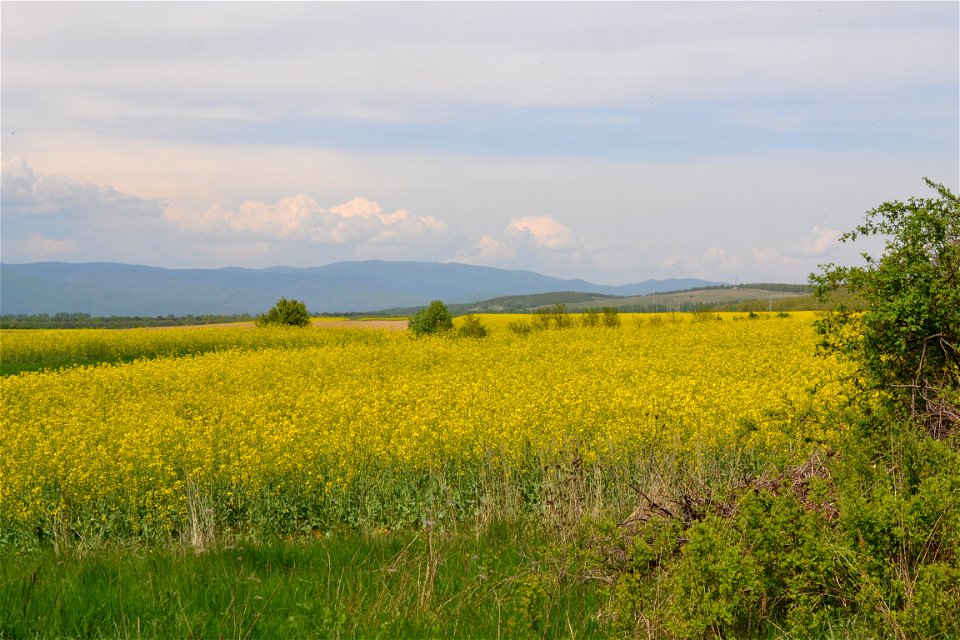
[
  {"x": 869, "y": 543},
  {"x": 291, "y": 313},
  {"x": 435, "y": 318},
  {"x": 611, "y": 317},
  {"x": 472, "y": 328},
  {"x": 520, "y": 327},
  {"x": 590, "y": 318},
  {"x": 907, "y": 344},
  {"x": 704, "y": 313},
  {"x": 555, "y": 317}
]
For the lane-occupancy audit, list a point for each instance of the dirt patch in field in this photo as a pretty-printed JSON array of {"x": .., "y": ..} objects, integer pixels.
[{"x": 392, "y": 325}]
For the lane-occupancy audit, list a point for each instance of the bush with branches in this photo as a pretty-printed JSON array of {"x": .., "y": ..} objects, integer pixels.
[
  {"x": 472, "y": 328},
  {"x": 907, "y": 342},
  {"x": 864, "y": 537},
  {"x": 611, "y": 317},
  {"x": 553, "y": 317},
  {"x": 590, "y": 318}
]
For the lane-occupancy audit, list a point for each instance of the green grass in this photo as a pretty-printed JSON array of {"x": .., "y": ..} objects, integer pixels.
[{"x": 505, "y": 581}]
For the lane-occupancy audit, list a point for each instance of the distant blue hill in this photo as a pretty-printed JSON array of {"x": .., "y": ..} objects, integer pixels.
[{"x": 106, "y": 289}]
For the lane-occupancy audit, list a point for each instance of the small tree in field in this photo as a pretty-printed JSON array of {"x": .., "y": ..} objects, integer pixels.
[
  {"x": 291, "y": 313},
  {"x": 434, "y": 319}
]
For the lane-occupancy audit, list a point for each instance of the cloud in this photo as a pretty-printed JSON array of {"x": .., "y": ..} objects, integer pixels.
[
  {"x": 731, "y": 126},
  {"x": 25, "y": 193},
  {"x": 403, "y": 57},
  {"x": 489, "y": 250},
  {"x": 712, "y": 263},
  {"x": 529, "y": 242},
  {"x": 546, "y": 232},
  {"x": 301, "y": 218},
  {"x": 823, "y": 241},
  {"x": 290, "y": 217},
  {"x": 46, "y": 248},
  {"x": 51, "y": 216}
]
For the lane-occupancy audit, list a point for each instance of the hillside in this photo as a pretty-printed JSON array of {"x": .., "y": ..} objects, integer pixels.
[
  {"x": 750, "y": 297},
  {"x": 109, "y": 289}
]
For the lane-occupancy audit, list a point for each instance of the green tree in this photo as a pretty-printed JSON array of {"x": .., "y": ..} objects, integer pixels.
[
  {"x": 434, "y": 319},
  {"x": 291, "y": 313},
  {"x": 907, "y": 341}
]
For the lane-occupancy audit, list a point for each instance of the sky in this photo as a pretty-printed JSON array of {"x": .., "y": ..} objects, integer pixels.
[{"x": 613, "y": 142}]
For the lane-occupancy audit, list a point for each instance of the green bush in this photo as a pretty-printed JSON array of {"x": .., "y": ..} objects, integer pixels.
[
  {"x": 520, "y": 327},
  {"x": 552, "y": 317},
  {"x": 732, "y": 575},
  {"x": 434, "y": 319},
  {"x": 472, "y": 328},
  {"x": 869, "y": 544},
  {"x": 291, "y": 313},
  {"x": 908, "y": 342},
  {"x": 590, "y": 318},
  {"x": 899, "y": 525},
  {"x": 611, "y": 317},
  {"x": 704, "y": 313}
]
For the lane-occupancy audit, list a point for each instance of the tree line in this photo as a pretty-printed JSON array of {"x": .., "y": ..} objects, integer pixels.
[{"x": 86, "y": 321}]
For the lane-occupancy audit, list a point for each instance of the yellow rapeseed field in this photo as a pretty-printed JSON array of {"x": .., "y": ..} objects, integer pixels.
[{"x": 290, "y": 426}]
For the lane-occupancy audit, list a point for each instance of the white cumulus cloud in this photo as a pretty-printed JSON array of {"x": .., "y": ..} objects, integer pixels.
[
  {"x": 823, "y": 240},
  {"x": 286, "y": 218},
  {"x": 357, "y": 222},
  {"x": 527, "y": 242},
  {"x": 546, "y": 231}
]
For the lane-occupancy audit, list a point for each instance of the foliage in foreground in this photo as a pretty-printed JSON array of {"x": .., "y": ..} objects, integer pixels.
[
  {"x": 502, "y": 581},
  {"x": 908, "y": 343},
  {"x": 868, "y": 539},
  {"x": 836, "y": 543}
]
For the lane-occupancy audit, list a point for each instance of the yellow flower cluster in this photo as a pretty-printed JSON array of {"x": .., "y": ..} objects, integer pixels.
[{"x": 319, "y": 412}]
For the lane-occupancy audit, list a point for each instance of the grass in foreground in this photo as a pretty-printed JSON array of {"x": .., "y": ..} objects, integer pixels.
[{"x": 496, "y": 583}]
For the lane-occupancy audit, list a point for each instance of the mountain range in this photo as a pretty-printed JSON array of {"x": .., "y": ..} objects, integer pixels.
[{"x": 112, "y": 289}]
